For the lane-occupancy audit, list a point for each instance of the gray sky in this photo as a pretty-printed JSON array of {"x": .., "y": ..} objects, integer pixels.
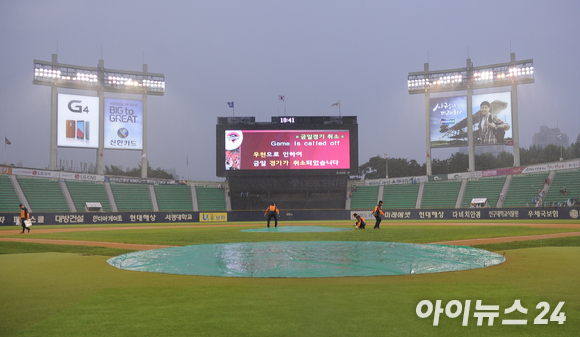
[{"x": 314, "y": 52}]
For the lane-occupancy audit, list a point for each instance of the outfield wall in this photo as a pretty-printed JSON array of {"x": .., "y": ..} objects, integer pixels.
[{"x": 84, "y": 218}]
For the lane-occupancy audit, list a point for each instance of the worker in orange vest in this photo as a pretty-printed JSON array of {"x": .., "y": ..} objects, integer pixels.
[
  {"x": 24, "y": 215},
  {"x": 360, "y": 222},
  {"x": 272, "y": 212},
  {"x": 377, "y": 212}
]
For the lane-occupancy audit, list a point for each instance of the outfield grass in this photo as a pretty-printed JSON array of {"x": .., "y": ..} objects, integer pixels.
[{"x": 74, "y": 292}]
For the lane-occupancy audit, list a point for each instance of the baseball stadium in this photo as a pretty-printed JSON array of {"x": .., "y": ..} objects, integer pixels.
[{"x": 475, "y": 253}]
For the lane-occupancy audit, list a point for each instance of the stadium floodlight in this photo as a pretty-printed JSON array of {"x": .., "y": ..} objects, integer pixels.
[
  {"x": 88, "y": 78},
  {"x": 498, "y": 75}
]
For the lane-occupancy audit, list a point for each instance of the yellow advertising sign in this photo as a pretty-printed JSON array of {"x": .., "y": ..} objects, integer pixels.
[{"x": 206, "y": 217}]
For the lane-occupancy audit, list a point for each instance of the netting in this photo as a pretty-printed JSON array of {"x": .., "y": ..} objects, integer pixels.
[
  {"x": 297, "y": 229},
  {"x": 307, "y": 259}
]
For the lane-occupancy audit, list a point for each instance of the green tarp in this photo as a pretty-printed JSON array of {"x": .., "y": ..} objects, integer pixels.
[{"x": 307, "y": 259}]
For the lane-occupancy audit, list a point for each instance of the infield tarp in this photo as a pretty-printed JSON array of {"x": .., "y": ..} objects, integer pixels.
[{"x": 307, "y": 259}]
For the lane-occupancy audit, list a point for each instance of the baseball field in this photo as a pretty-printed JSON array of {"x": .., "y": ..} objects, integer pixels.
[{"x": 56, "y": 281}]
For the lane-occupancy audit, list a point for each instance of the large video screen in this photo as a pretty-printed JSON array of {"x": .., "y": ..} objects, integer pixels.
[
  {"x": 270, "y": 148},
  {"x": 492, "y": 124},
  {"x": 492, "y": 119},
  {"x": 448, "y": 121},
  {"x": 123, "y": 124},
  {"x": 77, "y": 121},
  {"x": 287, "y": 150}
]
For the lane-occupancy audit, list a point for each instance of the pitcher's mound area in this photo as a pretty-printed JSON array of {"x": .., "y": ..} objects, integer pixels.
[{"x": 307, "y": 259}]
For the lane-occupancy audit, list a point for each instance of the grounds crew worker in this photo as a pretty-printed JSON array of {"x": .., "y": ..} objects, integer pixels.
[
  {"x": 272, "y": 212},
  {"x": 377, "y": 212},
  {"x": 24, "y": 215},
  {"x": 360, "y": 222}
]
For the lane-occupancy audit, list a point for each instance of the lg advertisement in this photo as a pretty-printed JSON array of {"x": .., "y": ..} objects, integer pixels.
[
  {"x": 287, "y": 150},
  {"x": 77, "y": 121},
  {"x": 123, "y": 124},
  {"x": 492, "y": 123}
]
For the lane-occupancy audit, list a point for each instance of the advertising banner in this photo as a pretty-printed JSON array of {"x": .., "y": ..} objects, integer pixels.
[
  {"x": 438, "y": 177},
  {"x": 79, "y": 218},
  {"x": 287, "y": 149},
  {"x": 81, "y": 176},
  {"x": 147, "y": 181},
  {"x": 567, "y": 165},
  {"x": 448, "y": 121},
  {"x": 123, "y": 124},
  {"x": 464, "y": 175},
  {"x": 36, "y": 173},
  {"x": 492, "y": 123},
  {"x": 208, "y": 217},
  {"x": 396, "y": 181},
  {"x": 77, "y": 121},
  {"x": 5, "y": 170},
  {"x": 492, "y": 119}
]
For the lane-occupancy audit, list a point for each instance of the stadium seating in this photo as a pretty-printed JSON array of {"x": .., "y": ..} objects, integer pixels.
[
  {"x": 570, "y": 180},
  {"x": 8, "y": 198},
  {"x": 174, "y": 198},
  {"x": 43, "y": 195},
  {"x": 210, "y": 198},
  {"x": 364, "y": 197},
  {"x": 132, "y": 197},
  {"x": 523, "y": 188},
  {"x": 400, "y": 196},
  {"x": 489, "y": 188},
  {"x": 82, "y": 192},
  {"x": 439, "y": 194}
]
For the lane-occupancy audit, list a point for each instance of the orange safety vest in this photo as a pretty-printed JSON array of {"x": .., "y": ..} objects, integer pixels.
[
  {"x": 272, "y": 209},
  {"x": 24, "y": 214}
]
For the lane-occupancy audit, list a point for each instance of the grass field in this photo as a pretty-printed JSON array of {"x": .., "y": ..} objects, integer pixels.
[{"x": 53, "y": 290}]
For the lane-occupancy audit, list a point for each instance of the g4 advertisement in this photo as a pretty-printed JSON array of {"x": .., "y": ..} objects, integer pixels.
[{"x": 77, "y": 121}]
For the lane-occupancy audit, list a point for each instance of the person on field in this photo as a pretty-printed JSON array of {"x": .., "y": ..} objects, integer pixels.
[
  {"x": 377, "y": 212},
  {"x": 360, "y": 222},
  {"x": 272, "y": 212},
  {"x": 24, "y": 215}
]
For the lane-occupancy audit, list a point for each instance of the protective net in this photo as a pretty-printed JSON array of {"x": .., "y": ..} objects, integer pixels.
[
  {"x": 307, "y": 259},
  {"x": 296, "y": 229}
]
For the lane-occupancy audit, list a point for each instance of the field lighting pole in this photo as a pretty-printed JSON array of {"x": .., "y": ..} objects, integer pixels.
[
  {"x": 144, "y": 151},
  {"x": 428, "y": 124},
  {"x": 470, "y": 145},
  {"x": 386, "y": 166},
  {"x": 53, "y": 154},
  {"x": 515, "y": 126}
]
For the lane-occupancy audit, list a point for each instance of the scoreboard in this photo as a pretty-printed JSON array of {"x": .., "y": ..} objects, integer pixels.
[{"x": 301, "y": 145}]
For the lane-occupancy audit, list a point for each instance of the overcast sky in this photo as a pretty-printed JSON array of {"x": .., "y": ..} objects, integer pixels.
[{"x": 314, "y": 52}]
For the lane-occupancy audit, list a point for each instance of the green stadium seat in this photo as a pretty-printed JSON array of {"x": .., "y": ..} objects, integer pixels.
[
  {"x": 210, "y": 198},
  {"x": 43, "y": 195}
]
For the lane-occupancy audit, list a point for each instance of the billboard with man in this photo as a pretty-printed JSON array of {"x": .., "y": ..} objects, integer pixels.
[{"x": 491, "y": 120}]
